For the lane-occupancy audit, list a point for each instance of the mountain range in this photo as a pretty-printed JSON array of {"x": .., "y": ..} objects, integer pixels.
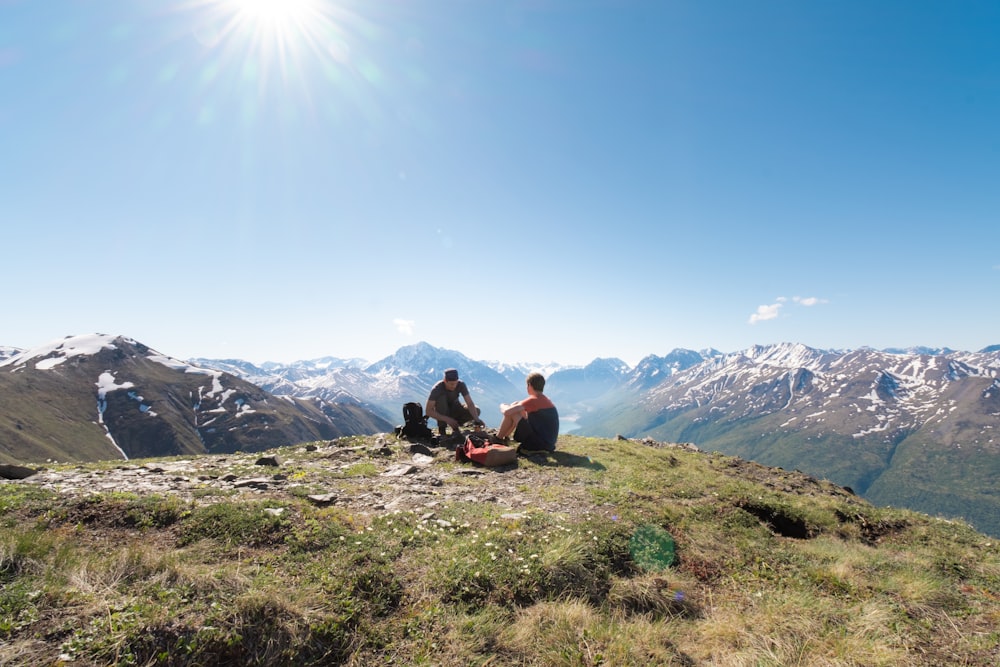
[
  {"x": 99, "y": 397},
  {"x": 913, "y": 427}
]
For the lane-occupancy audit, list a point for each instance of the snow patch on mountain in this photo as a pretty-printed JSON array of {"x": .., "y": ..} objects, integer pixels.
[
  {"x": 58, "y": 351},
  {"x": 521, "y": 369},
  {"x": 178, "y": 365},
  {"x": 106, "y": 383}
]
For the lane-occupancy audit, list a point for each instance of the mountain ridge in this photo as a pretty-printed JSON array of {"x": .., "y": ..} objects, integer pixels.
[
  {"x": 872, "y": 420},
  {"x": 914, "y": 428},
  {"x": 97, "y": 397}
]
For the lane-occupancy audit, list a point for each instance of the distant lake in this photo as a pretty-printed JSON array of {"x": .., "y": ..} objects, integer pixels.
[{"x": 568, "y": 424}]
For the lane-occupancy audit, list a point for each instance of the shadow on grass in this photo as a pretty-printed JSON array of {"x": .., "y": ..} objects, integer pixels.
[{"x": 559, "y": 458}]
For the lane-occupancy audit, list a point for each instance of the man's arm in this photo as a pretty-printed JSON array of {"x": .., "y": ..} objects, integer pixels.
[{"x": 471, "y": 407}]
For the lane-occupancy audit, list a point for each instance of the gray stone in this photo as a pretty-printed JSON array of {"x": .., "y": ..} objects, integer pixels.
[
  {"x": 400, "y": 470},
  {"x": 418, "y": 448},
  {"x": 11, "y": 471},
  {"x": 256, "y": 482},
  {"x": 323, "y": 498},
  {"x": 273, "y": 461}
]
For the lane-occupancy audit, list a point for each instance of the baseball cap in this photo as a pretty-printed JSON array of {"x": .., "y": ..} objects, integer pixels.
[{"x": 451, "y": 374}]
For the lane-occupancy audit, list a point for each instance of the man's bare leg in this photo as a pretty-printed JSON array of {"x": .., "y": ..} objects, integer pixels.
[{"x": 509, "y": 424}]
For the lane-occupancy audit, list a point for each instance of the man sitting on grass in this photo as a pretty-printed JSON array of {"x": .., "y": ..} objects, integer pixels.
[{"x": 533, "y": 421}]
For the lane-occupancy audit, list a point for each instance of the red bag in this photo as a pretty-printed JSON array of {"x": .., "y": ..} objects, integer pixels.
[{"x": 480, "y": 448}]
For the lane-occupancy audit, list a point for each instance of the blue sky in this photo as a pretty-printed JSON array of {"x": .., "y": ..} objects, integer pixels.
[{"x": 535, "y": 180}]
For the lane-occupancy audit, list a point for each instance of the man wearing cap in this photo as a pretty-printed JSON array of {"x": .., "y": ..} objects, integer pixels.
[{"x": 444, "y": 406}]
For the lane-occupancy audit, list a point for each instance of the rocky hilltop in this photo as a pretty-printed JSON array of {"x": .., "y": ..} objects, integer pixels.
[{"x": 374, "y": 550}]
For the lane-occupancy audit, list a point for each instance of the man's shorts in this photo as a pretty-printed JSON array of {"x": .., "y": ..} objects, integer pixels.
[
  {"x": 458, "y": 412},
  {"x": 525, "y": 434}
]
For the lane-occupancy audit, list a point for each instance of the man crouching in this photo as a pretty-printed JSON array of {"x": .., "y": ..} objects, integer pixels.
[{"x": 444, "y": 406}]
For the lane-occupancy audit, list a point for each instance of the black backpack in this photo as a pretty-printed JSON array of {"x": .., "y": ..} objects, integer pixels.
[{"x": 415, "y": 423}]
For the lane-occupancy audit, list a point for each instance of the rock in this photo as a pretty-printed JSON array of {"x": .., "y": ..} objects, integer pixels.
[
  {"x": 256, "y": 482},
  {"x": 400, "y": 470},
  {"x": 10, "y": 471},
  {"x": 274, "y": 461},
  {"x": 418, "y": 448},
  {"x": 322, "y": 498}
]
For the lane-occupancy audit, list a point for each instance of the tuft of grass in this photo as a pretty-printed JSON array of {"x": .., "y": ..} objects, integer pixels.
[{"x": 234, "y": 524}]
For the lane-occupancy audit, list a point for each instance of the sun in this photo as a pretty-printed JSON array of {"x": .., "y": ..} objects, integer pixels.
[
  {"x": 265, "y": 36},
  {"x": 281, "y": 22},
  {"x": 272, "y": 26},
  {"x": 274, "y": 15},
  {"x": 300, "y": 47}
]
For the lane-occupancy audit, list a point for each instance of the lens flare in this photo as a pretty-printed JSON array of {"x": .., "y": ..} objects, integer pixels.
[
  {"x": 272, "y": 11},
  {"x": 289, "y": 35},
  {"x": 281, "y": 18}
]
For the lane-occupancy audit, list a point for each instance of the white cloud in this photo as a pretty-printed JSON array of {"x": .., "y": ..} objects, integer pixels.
[
  {"x": 766, "y": 312},
  {"x": 404, "y": 326},
  {"x": 771, "y": 311}
]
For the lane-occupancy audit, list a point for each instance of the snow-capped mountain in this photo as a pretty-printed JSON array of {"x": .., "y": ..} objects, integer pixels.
[
  {"x": 516, "y": 372},
  {"x": 917, "y": 430},
  {"x": 384, "y": 385},
  {"x": 652, "y": 370},
  {"x": 98, "y": 397}
]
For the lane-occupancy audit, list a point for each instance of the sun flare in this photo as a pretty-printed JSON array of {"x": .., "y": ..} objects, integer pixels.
[
  {"x": 276, "y": 15},
  {"x": 270, "y": 45},
  {"x": 265, "y": 25},
  {"x": 266, "y": 34}
]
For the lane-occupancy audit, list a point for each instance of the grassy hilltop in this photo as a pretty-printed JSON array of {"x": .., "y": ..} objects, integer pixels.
[{"x": 358, "y": 552}]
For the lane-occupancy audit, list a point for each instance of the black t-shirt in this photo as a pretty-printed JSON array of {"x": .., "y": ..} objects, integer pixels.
[{"x": 440, "y": 390}]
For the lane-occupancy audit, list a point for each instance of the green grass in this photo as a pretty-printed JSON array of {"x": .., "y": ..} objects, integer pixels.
[{"x": 766, "y": 567}]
